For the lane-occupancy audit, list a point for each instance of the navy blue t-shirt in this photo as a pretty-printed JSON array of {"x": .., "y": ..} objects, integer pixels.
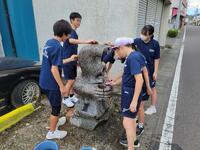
[
  {"x": 133, "y": 65},
  {"x": 150, "y": 50},
  {"x": 70, "y": 49},
  {"x": 52, "y": 56}
]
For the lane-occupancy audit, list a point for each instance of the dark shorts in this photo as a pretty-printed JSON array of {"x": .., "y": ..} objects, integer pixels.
[
  {"x": 70, "y": 72},
  {"x": 145, "y": 96},
  {"x": 54, "y": 97},
  {"x": 153, "y": 84},
  {"x": 126, "y": 99}
]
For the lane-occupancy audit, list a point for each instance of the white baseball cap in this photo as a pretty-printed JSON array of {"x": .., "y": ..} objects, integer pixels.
[{"x": 122, "y": 41}]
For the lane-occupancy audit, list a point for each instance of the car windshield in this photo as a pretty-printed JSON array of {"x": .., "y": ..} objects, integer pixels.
[{"x": 7, "y": 63}]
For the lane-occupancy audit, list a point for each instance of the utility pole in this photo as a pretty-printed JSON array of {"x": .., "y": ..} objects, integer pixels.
[{"x": 178, "y": 14}]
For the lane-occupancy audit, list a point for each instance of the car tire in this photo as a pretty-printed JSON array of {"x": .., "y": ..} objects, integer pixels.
[{"x": 25, "y": 92}]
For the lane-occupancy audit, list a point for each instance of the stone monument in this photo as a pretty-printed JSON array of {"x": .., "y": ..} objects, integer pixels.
[{"x": 95, "y": 103}]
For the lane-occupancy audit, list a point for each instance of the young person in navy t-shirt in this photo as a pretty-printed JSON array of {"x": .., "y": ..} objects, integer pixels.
[
  {"x": 50, "y": 76},
  {"x": 132, "y": 82},
  {"x": 71, "y": 48},
  {"x": 150, "y": 48}
]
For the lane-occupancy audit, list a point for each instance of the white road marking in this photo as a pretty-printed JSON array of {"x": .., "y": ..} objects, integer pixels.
[{"x": 168, "y": 127}]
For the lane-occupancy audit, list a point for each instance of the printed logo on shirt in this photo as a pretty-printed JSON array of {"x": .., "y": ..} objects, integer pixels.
[
  {"x": 45, "y": 53},
  {"x": 126, "y": 92},
  {"x": 151, "y": 50},
  {"x": 46, "y": 47}
]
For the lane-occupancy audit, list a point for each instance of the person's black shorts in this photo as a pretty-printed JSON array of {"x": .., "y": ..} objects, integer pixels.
[
  {"x": 145, "y": 96},
  {"x": 153, "y": 84},
  {"x": 54, "y": 97},
  {"x": 70, "y": 72},
  {"x": 126, "y": 99}
]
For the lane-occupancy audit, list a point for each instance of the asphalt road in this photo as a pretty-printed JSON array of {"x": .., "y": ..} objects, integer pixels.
[{"x": 187, "y": 122}]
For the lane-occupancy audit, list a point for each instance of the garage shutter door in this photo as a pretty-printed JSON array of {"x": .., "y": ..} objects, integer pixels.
[
  {"x": 158, "y": 19},
  {"x": 151, "y": 12},
  {"x": 141, "y": 15}
]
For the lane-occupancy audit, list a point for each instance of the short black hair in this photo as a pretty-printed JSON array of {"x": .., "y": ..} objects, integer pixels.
[
  {"x": 74, "y": 15},
  {"x": 61, "y": 27},
  {"x": 147, "y": 30}
]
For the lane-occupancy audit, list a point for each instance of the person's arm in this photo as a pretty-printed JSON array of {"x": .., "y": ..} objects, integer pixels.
[
  {"x": 72, "y": 58},
  {"x": 115, "y": 81},
  {"x": 138, "y": 87},
  {"x": 56, "y": 75},
  {"x": 78, "y": 41},
  {"x": 156, "y": 61},
  {"x": 109, "y": 66},
  {"x": 146, "y": 79},
  {"x": 56, "y": 60},
  {"x": 156, "y": 64}
]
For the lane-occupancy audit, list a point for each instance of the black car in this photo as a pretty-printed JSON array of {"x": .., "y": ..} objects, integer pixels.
[{"x": 18, "y": 82}]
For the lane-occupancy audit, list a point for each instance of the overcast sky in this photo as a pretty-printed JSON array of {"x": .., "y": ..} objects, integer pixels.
[{"x": 192, "y": 6}]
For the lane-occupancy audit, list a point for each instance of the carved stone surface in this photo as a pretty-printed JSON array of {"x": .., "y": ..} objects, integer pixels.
[{"x": 94, "y": 105}]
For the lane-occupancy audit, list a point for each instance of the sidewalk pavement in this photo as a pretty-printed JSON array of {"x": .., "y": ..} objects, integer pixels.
[{"x": 154, "y": 123}]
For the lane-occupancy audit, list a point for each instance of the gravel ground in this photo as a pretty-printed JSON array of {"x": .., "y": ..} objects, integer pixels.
[{"x": 32, "y": 130}]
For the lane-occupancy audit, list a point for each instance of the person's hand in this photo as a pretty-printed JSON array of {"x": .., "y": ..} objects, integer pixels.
[
  {"x": 133, "y": 106},
  {"x": 63, "y": 90},
  {"x": 155, "y": 75},
  {"x": 109, "y": 43},
  {"x": 111, "y": 82},
  {"x": 92, "y": 42},
  {"x": 149, "y": 90},
  {"x": 74, "y": 57}
]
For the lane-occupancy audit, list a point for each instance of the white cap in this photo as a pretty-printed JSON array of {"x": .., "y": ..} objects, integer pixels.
[{"x": 122, "y": 41}]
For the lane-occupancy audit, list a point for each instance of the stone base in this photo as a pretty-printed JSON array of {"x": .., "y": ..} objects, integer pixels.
[{"x": 89, "y": 123}]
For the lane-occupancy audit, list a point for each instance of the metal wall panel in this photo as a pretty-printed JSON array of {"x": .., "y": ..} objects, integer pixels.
[{"x": 141, "y": 16}]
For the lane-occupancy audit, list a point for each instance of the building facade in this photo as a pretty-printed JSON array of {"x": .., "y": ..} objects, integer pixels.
[{"x": 28, "y": 28}]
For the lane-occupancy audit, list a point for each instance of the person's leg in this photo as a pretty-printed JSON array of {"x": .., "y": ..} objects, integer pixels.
[
  {"x": 141, "y": 119},
  {"x": 152, "y": 109},
  {"x": 54, "y": 117},
  {"x": 69, "y": 86},
  {"x": 141, "y": 113},
  {"x": 130, "y": 127},
  {"x": 154, "y": 97},
  {"x": 67, "y": 99},
  {"x": 70, "y": 73},
  {"x": 73, "y": 77},
  {"x": 55, "y": 102},
  {"x": 72, "y": 90}
]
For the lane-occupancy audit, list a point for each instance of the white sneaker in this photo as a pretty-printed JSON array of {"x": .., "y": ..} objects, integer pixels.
[
  {"x": 74, "y": 99},
  {"x": 57, "y": 134},
  {"x": 151, "y": 110},
  {"x": 68, "y": 102},
  {"x": 61, "y": 121}
]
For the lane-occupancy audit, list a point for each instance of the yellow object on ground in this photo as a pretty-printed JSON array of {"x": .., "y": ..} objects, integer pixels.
[{"x": 14, "y": 116}]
